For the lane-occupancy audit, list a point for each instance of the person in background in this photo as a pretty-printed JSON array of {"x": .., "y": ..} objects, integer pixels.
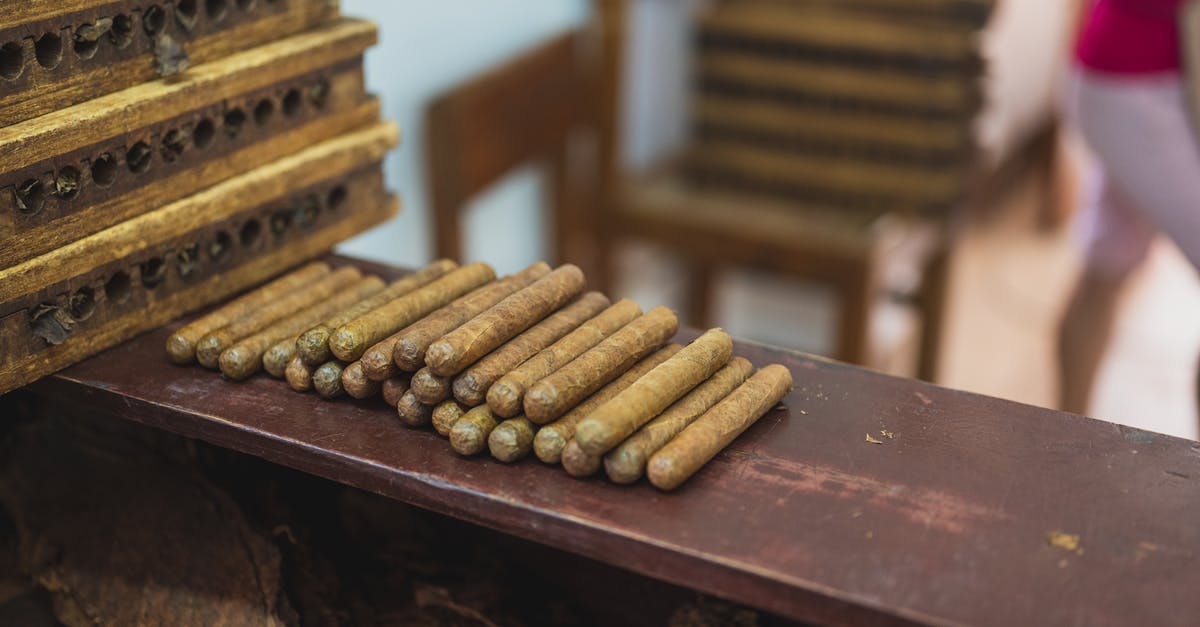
[{"x": 1129, "y": 103}]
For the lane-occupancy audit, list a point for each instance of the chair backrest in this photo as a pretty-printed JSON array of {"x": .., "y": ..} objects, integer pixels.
[{"x": 523, "y": 111}]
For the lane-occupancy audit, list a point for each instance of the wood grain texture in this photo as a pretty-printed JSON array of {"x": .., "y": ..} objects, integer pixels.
[
  {"x": 947, "y": 522},
  {"x": 40, "y": 89}
]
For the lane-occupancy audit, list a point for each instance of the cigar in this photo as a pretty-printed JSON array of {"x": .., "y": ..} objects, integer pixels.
[
  {"x": 512, "y": 439},
  {"x": 716, "y": 428},
  {"x": 210, "y": 347},
  {"x": 471, "y": 386},
  {"x": 246, "y": 357},
  {"x": 412, "y": 412},
  {"x": 445, "y": 415},
  {"x": 298, "y": 375},
  {"x": 430, "y": 388},
  {"x": 356, "y": 384},
  {"x": 550, "y": 439},
  {"x": 393, "y": 388},
  {"x": 313, "y": 344},
  {"x": 505, "y": 396},
  {"x": 181, "y": 346},
  {"x": 276, "y": 359},
  {"x": 408, "y": 351},
  {"x": 577, "y": 462},
  {"x": 617, "y": 419},
  {"x": 564, "y": 388},
  {"x": 627, "y": 462},
  {"x": 484, "y": 333},
  {"x": 469, "y": 435},
  {"x": 350, "y": 340},
  {"x": 327, "y": 379}
]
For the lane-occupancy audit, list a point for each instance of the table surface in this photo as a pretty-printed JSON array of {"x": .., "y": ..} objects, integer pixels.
[{"x": 863, "y": 497}]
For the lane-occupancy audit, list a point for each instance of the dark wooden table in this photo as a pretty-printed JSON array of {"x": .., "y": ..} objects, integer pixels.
[{"x": 864, "y": 498}]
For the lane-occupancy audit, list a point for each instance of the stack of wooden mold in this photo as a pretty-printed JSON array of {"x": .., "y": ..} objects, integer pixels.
[
  {"x": 861, "y": 105},
  {"x": 127, "y": 200}
]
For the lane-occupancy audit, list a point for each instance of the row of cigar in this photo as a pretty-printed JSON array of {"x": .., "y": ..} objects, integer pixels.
[{"x": 524, "y": 363}]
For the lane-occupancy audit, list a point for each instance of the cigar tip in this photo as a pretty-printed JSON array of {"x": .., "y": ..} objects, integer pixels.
[
  {"x": 548, "y": 445},
  {"x": 503, "y": 443},
  {"x": 180, "y": 350},
  {"x": 622, "y": 466},
  {"x": 233, "y": 364},
  {"x": 465, "y": 438}
]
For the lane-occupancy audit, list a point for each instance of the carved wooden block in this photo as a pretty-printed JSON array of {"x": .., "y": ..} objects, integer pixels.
[
  {"x": 56, "y": 53},
  {"x": 84, "y": 297},
  {"x": 76, "y": 171}
]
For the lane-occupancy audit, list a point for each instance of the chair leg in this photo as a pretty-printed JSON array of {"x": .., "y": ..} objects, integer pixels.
[
  {"x": 932, "y": 304},
  {"x": 854, "y": 317},
  {"x": 698, "y": 308}
]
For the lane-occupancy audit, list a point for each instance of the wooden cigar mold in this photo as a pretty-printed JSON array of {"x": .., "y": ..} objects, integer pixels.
[
  {"x": 57, "y": 53},
  {"x": 72, "y": 183},
  {"x": 93, "y": 307}
]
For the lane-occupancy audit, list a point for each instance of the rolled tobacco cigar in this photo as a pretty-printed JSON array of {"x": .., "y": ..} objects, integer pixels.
[
  {"x": 181, "y": 346},
  {"x": 550, "y": 439},
  {"x": 246, "y": 357},
  {"x": 430, "y": 388},
  {"x": 482, "y": 334},
  {"x": 350, "y": 340},
  {"x": 412, "y": 412},
  {"x": 313, "y": 344},
  {"x": 471, "y": 386},
  {"x": 627, "y": 462},
  {"x": 512, "y": 439},
  {"x": 578, "y": 463},
  {"x": 327, "y": 379},
  {"x": 298, "y": 375},
  {"x": 445, "y": 415},
  {"x": 506, "y": 395},
  {"x": 276, "y": 359},
  {"x": 469, "y": 435},
  {"x": 564, "y": 388},
  {"x": 356, "y": 384},
  {"x": 408, "y": 351},
  {"x": 617, "y": 419},
  {"x": 210, "y": 347},
  {"x": 393, "y": 388},
  {"x": 716, "y": 428}
]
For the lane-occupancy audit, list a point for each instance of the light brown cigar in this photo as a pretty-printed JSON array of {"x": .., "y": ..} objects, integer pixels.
[
  {"x": 550, "y": 439},
  {"x": 627, "y": 462},
  {"x": 445, "y": 415},
  {"x": 356, "y": 384},
  {"x": 327, "y": 379},
  {"x": 717, "y": 427},
  {"x": 564, "y": 388},
  {"x": 181, "y": 346},
  {"x": 578, "y": 463},
  {"x": 505, "y": 396},
  {"x": 276, "y": 359},
  {"x": 394, "y": 388},
  {"x": 298, "y": 375},
  {"x": 313, "y": 344},
  {"x": 512, "y": 439},
  {"x": 210, "y": 347},
  {"x": 350, "y": 340},
  {"x": 245, "y": 358},
  {"x": 469, "y": 435},
  {"x": 408, "y": 351},
  {"x": 412, "y": 412},
  {"x": 430, "y": 388},
  {"x": 482, "y": 334},
  {"x": 617, "y": 419},
  {"x": 471, "y": 387}
]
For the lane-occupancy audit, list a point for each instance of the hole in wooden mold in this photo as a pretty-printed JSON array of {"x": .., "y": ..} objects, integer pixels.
[
  {"x": 215, "y": 9},
  {"x": 104, "y": 170},
  {"x": 251, "y": 233},
  {"x": 203, "y": 134},
  {"x": 66, "y": 184},
  {"x": 153, "y": 20},
  {"x": 117, "y": 287},
  {"x": 87, "y": 38},
  {"x": 187, "y": 261},
  {"x": 318, "y": 94},
  {"x": 220, "y": 247},
  {"x": 82, "y": 304},
  {"x": 291, "y": 102},
  {"x": 48, "y": 50},
  {"x": 185, "y": 14},
  {"x": 153, "y": 271},
  {"x": 51, "y": 323},
  {"x": 263, "y": 111},
  {"x": 306, "y": 213},
  {"x": 12, "y": 60},
  {"x": 138, "y": 157},
  {"x": 235, "y": 119},
  {"x": 121, "y": 34},
  {"x": 31, "y": 196},
  {"x": 336, "y": 197},
  {"x": 173, "y": 144},
  {"x": 280, "y": 221}
]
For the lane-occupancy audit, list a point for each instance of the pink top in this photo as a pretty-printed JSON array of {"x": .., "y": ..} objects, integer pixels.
[{"x": 1131, "y": 37}]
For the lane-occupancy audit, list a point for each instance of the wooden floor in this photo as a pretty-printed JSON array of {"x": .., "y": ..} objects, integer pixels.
[{"x": 1009, "y": 284}]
